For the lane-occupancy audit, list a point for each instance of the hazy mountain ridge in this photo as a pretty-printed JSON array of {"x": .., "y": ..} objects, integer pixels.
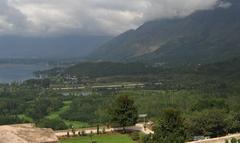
[
  {"x": 203, "y": 37},
  {"x": 65, "y": 47}
]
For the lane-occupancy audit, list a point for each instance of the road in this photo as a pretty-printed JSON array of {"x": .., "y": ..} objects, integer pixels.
[
  {"x": 138, "y": 127},
  {"x": 219, "y": 139},
  {"x": 128, "y": 85}
]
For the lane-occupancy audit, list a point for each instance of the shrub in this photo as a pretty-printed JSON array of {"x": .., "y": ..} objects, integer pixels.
[
  {"x": 55, "y": 124},
  {"x": 68, "y": 135},
  {"x": 83, "y": 133},
  {"x": 9, "y": 120},
  {"x": 146, "y": 139},
  {"x": 103, "y": 131},
  {"x": 135, "y": 136},
  {"x": 234, "y": 140}
]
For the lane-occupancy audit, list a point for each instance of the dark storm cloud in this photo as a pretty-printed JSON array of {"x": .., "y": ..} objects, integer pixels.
[
  {"x": 11, "y": 19},
  {"x": 91, "y": 17}
]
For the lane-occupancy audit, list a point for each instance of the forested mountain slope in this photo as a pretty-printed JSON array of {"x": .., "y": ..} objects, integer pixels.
[{"x": 203, "y": 37}]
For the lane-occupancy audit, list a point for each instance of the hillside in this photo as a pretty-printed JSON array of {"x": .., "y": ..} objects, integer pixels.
[
  {"x": 101, "y": 69},
  {"x": 183, "y": 76},
  {"x": 203, "y": 37}
]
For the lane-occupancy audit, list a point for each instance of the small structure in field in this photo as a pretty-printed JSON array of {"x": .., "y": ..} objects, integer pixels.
[
  {"x": 26, "y": 133},
  {"x": 144, "y": 117}
]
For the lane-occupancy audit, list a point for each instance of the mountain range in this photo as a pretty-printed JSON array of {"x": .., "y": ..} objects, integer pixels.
[{"x": 205, "y": 36}]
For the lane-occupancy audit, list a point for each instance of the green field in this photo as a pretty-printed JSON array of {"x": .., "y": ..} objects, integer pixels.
[
  {"x": 25, "y": 118},
  {"x": 75, "y": 124},
  {"x": 117, "y": 138}
]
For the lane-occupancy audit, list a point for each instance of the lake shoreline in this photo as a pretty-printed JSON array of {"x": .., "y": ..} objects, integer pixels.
[{"x": 10, "y": 73}]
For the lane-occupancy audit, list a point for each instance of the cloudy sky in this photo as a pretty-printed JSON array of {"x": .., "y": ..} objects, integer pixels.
[{"x": 88, "y": 17}]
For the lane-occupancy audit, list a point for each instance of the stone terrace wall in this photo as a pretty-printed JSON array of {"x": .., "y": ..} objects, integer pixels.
[{"x": 218, "y": 140}]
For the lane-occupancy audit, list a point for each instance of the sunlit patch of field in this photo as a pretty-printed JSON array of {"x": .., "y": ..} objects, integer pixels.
[{"x": 115, "y": 138}]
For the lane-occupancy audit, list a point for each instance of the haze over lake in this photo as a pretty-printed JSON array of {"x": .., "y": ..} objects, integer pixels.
[{"x": 19, "y": 72}]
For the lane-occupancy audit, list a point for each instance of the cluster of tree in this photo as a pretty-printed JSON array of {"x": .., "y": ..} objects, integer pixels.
[
  {"x": 41, "y": 107},
  {"x": 169, "y": 129},
  {"x": 21, "y": 103},
  {"x": 9, "y": 119},
  {"x": 91, "y": 109},
  {"x": 101, "y": 69},
  {"x": 173, "y": 127},
  {"x": 55, "y": 124},
  {"x": 37, "y": 83}
]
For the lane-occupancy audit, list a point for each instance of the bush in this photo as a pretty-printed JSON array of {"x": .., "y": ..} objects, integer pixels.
[
  {"x": 234, "y": 140},
  {"x": 68, "y": 134},
  {"x": 9, "y": 120},
  {"x": 146, "y": 139},
  {"x": 83, "y": 133},
  {"x": 209, "y": 123},
  {"x": 103, "y": 130},
  {"x": 135, "y": 136},
  {"x": 55, "y": 124}
]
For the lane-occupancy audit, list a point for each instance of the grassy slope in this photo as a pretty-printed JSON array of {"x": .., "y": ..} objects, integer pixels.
[
  {"x": 117, "y": 138},
  {"x": 75, "y": 124},
  {"x": 25, "y": 118}
]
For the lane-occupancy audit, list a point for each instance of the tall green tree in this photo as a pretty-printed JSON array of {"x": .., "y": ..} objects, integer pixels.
[
  {"x": 124, "y": 112},
  {"x": 234, "y": 123},
  {"x": 209, "y": 123},
  {"x": 170, "y": 128}
]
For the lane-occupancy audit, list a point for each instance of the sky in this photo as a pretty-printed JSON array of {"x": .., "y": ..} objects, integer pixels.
[{"x": 89, "y": 17}]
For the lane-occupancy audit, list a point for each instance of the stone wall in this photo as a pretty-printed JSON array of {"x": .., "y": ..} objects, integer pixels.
[{"x": 218, "y": 140}]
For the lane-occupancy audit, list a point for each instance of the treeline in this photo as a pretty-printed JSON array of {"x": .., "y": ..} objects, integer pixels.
[{"x": 101, "y": 69}]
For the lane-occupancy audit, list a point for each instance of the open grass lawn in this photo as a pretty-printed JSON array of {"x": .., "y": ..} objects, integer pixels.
[
  {"x": 116, "y": 138},
  {"x": 61, "y": 110}
]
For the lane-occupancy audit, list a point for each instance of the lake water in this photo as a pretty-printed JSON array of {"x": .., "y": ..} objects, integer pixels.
[{"x": 19, "y": 72}]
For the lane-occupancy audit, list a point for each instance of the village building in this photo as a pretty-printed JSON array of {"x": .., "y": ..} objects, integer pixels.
[{"x": 26, "y": 133}]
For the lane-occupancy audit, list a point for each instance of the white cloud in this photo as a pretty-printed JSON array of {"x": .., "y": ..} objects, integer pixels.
[
  {"x": 225, "y": 4},
  {"x": 173, "y": 8},
  {"x": 91, "y": 17}
]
